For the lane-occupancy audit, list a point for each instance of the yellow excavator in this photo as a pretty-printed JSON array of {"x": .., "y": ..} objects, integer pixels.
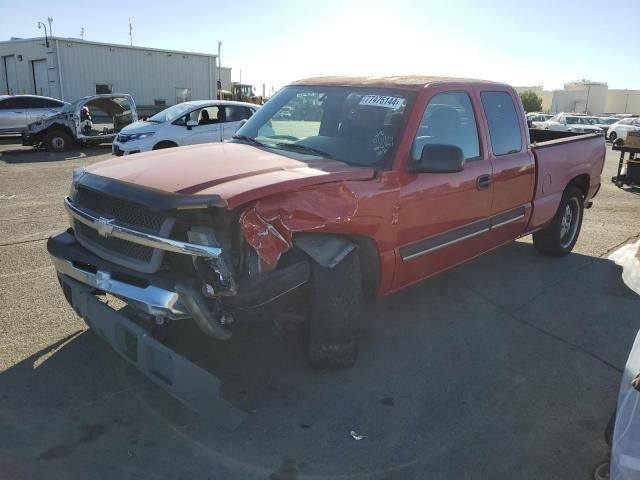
[{"x": 241, "y": 92}]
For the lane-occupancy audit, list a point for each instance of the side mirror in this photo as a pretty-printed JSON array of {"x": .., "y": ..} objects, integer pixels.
[
  {"x": 440, "y": 158},
  {"x": 191, "y": 124}
]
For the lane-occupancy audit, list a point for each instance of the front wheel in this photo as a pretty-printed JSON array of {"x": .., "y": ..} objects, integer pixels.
[
  {"x": 612, "y": 137},
  {"x": 561, "y": 235},
  {"x": 57, "y": 141},
  {"x": 335, "y": 299},
  {"x": 164, "y": 144}
]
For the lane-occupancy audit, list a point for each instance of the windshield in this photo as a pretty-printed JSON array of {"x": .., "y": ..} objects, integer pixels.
[
  {"x": 356, "y": 125},
  {"x": 169, "y": 114}
]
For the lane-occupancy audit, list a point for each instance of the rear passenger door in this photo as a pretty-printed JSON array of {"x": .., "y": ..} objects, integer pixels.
[
  {"x": 443, "y": 218},
  {"x": 513, "y": 165}
]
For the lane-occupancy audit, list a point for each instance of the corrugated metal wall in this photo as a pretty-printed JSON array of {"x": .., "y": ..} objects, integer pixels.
[
  {"x": 148, "y": 75},
  {"x": 30, "y": 51}
]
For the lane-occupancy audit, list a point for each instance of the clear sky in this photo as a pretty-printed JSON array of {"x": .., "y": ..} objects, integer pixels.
[{"x": 533, "y": 42}]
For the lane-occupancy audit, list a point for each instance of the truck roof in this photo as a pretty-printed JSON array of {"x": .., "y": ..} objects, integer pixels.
[{"x": 407, "y": 82}]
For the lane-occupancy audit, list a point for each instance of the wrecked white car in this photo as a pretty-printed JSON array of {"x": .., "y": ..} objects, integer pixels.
[{"x": 88, "y": 121}]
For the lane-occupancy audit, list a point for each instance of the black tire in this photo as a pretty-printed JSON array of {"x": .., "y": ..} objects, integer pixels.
[
  {"x": 618, "y": 142},
  {"x": 164, "y": 144},
  {"x": 612, "y": 137},
  {"x": 58, "y": 141},
  {"x": 608, "y": 431},
  {"x": 561, "y": 235},
  {"x": 335, "y": 302}
]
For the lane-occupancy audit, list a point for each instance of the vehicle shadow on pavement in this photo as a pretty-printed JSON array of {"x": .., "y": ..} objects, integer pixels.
[
  {"x": 25, "y": 155},
  {"x": 513, "y": 352}
]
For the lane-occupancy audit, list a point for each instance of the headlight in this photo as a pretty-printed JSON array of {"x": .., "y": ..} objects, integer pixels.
[
  {"x": 75, "y": 177},
  {"x": 141, "y": 136}
]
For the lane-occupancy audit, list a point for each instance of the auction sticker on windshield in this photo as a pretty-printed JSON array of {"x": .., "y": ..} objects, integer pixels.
[{"x": 382, "y": 101}]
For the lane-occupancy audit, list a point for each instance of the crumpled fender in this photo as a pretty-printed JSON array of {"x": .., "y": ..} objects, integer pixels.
[{"x": 268, "y": 225}]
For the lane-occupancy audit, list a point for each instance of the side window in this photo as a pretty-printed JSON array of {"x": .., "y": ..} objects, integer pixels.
[
  {"x": 504, "y": 124},
  {"x": 8, "y": 104},
  {"x": 46, "y": 103},
  {"x": 235, "y": 114},
  {"x": 40, "y": 103},
  {"x": 448, "y": 119},
  {"x": 207, "y": 116},
  {"x": 23, "y": 102},
  {"x": 103, "y": 88}
]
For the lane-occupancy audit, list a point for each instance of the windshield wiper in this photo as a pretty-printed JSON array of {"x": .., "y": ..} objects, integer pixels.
[
  {"x": 246, "y": 138},
  {"x": 303, "y": 149}
]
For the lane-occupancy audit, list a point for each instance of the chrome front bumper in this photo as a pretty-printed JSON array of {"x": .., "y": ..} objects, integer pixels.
[
  {"x": 107, "y": 228},
  {"x": 150, "y": 299},
  {"x": 193, "y": 386}
]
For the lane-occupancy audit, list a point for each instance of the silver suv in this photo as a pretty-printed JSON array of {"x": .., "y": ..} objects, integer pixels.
[{"x": 17, "y": 111}]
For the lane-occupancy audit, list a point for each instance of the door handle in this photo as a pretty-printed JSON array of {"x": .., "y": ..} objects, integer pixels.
[{"x": 483, "y": 182}]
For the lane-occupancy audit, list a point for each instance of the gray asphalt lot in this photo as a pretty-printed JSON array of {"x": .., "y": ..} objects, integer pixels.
[{"x": 505, "y": 368}]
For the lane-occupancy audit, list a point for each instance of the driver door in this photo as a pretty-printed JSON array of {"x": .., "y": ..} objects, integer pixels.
[
  {"x": 444, "y": 218},
  {"x": 203, "y": 131}
]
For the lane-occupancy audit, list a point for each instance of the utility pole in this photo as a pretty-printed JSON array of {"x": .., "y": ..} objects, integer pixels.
[
  {"x": 46, "y": 38},
  {"x": 50, "y": 20},
  {"x": 219, "y": 69},
  {"x": 82, "y": 33},
  {"x": 626, "y": 103},
  {"x": 130, "y": 33}
]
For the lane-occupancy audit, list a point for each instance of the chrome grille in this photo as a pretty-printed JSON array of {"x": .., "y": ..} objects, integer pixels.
[
  {"x": 121, "y": 247},
  {"x": 125, "y": 213}
]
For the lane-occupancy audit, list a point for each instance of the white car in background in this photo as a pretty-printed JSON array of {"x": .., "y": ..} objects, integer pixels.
[
  {"x": 604, "y": 123},
  {"x": 536, "y": 120},
  {"x": 571, "y": 123},
  {"x": 619, "y": 130},
  {"x": 186, "y": 123}
]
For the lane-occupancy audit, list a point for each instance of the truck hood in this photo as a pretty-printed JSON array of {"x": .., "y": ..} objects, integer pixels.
[{"x": 236, "y": 172}]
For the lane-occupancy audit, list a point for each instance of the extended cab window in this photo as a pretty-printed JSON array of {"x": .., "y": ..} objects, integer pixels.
[
  {"x": 449, "y": 120},
  {"x": 504, "y": 123}
]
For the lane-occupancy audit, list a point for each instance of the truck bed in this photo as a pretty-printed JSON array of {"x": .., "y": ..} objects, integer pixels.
[{"x": 560, "y": 158}]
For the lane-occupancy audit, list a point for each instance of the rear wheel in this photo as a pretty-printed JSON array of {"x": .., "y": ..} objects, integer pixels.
[
  {"x": 561, "y": 235},
  {"x": 335, "y": 300},
  {"x": 57, "y": 140}
]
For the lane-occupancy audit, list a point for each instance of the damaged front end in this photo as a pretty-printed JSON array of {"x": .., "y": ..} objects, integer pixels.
[{"x": 168, "y": 258}]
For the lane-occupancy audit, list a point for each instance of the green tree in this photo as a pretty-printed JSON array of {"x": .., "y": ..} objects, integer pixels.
[{"x": 531, "y": 101}]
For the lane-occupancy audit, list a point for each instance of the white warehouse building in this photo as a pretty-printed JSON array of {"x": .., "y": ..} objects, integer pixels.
[
  {"x": 585, "y": 96},
  {"x": 70, "y": 68}
]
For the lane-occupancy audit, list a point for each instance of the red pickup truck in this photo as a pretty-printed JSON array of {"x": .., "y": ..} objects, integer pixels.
[{"x": 365, "y": 186}]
